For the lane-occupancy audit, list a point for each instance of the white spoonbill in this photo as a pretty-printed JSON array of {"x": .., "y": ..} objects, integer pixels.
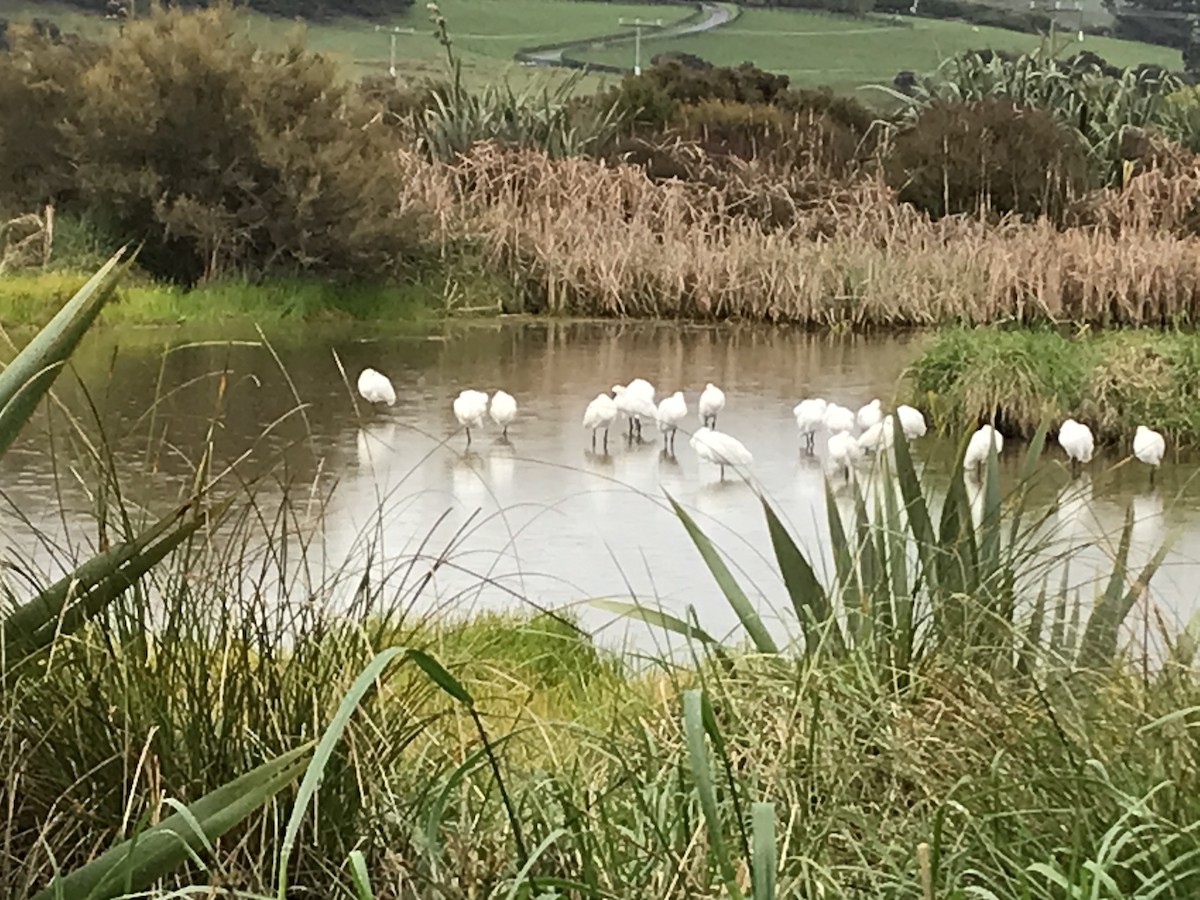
[
  {"x": 669, "y": 414},
  {"x": 1149, "y": 447},
  {"x": 879, "y": 436},
  {"x": 712, "y": 401},
  {"x": 839, "y": 418},
  {"x": 636, "y": 403},
  {"x": 912, "y": 422},
  {"x": 1076, "y": 438},
  {"x": 374, "y": 387},
  {"x": 469, "y": 408},
  {"x": 810, "y": 416},
  {"x": 844, "y": 452},
  {"x": 600, "y": 413},
  {"x": 869, "y": 415},
  {"x": 503, "y": 410},
  {"x": 720, "y": 449},
  {"x": 977, "y": 447}
]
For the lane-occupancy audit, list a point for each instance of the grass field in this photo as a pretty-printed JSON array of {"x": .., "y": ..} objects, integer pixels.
[
  {"x": 846, "y": 54},
  {"x": 486, "y": 33}
]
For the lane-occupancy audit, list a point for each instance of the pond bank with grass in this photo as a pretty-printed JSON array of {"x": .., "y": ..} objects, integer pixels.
[{"x": 1112, "y": 381}]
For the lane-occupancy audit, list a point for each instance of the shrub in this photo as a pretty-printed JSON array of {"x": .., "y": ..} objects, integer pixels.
[
  {"x": 987, "y": 155},
  {"x": 39, "y": 90},
  {"x": 226, "y": 158}
]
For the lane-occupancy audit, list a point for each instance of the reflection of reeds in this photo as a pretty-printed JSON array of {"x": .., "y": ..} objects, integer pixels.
[{"x": 585, "y": 237}]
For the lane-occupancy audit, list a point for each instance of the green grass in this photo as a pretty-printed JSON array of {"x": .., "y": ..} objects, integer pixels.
[
  {"x": 32, "y": 298},
  {"x": 816, "y": 49},
  {"x": 486, "y": 34},
  {"x": 1113, "y": 381}
]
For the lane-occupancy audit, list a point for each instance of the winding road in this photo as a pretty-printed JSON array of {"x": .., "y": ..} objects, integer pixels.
[{"x": 707, "y": 17}]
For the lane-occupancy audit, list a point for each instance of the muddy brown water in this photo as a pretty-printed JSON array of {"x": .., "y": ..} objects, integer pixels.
[{"x": 548, "y": 521}]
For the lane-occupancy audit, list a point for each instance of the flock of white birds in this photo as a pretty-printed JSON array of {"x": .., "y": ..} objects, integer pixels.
[{"x": 850, "y": 434}]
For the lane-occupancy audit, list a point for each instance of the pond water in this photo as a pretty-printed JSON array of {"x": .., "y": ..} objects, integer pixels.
[{"x": 549, "y": 522}]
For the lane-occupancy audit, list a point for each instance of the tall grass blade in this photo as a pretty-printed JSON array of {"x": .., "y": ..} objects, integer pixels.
[
  {"x": 138, "y": 862},
  {"x": 763, "y": 858},
  {"x": 29, "y": 376},
  {"x": 1100, "y": 636},
  {"x": 360, "y": 877},
  {"x": 66, "y": 605},
  {"x": 733, "y": 592},
  {"x": 654, "y": 617},
  {"x": 694, "y": 730},
  {"x": 808, "y": 596}
]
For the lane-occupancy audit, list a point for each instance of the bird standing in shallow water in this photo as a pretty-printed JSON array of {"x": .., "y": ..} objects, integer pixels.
[
  {"x": 469, "y": 408},
  {"x": 912, "y": 422},
  {"x": 1149, "y": 447},
  {"x": 844, "y": 451},
  {"x": 838, "y": 418},
  {"x": 712, "y": 401},
  {"x": 374, "y": 387},
  {"x": 878, "y": 436},
  {"x": 720, "y": 449},
  {"x": 1076, "y": 438},
  {"x": 636, "y": 401},
  {"x": 977, "y": 448},
  {"x": 600, "y": 413},
  {"x": 871, "y": 414},
  {"x": 669, "y": 414},
  {"x": 503, "y": 410},
  {"x": 810, "y": 417}
]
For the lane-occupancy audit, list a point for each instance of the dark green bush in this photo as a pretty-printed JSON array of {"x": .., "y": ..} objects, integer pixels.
[
  {"x": 989, "y": 155},
  {"x": 40, "y": 88},
  {"x": 224, "y": 158}
]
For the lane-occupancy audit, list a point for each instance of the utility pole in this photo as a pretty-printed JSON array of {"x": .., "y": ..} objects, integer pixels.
[
  {"x": 1054, "y": 10},
  {"x": 395, "y": 32},
  {"x": 638, "y": 25}
]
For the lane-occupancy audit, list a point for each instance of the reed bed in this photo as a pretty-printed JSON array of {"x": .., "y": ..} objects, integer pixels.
[{"x": 585, "y": 237}]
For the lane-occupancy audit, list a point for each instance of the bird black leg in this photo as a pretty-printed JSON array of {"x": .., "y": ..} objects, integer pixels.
[
  {"x": 605, "y": 439},
  {"x": 468, "y": 437},
  {"x": 504, "y": 433},
  {"x": 1153, "y": 470},
  {"x": 593, "y": 440},
  {"x": 722, "y": 471}
]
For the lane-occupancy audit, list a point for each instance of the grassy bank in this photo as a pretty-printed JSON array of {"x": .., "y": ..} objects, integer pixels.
[
  {"x": 31, "y": 297},
  {"x": 1113, "y": 381}
]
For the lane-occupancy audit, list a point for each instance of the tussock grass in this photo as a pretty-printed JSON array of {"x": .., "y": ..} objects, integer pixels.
[
  {"x": 588, "y": 238},
  {"x": 1113, "y": 381}
]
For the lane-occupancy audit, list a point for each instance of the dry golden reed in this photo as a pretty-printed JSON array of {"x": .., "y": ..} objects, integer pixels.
[{"x": 596, "y": 239}]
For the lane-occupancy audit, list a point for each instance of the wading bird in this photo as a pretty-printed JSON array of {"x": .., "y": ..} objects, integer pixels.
[
  {"x": 712, "y": 401},
  {"x": 600, "y": 413},
  {"x": 810, "y": 416},
  {"x": 879, "y": 436},
  {"x": 838, "y": 418},
  {"x": 977, "y": 448},
  {"x": 912, "y": 422},
  {"x": 1076, "y": 439},
  {"x": 503, "y": 410},
  {"x": 1149, "y": 447},
  {"x": 669, "y": 414},
  {"x": 469, "y": 408},
  {"x": 636, "y": 401},
  {"x": 720, "y": 449},
  {"x": 374, "y": 387},
  {"x": 844, "y": 452},
  {"x": 869, "y": 415}
]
